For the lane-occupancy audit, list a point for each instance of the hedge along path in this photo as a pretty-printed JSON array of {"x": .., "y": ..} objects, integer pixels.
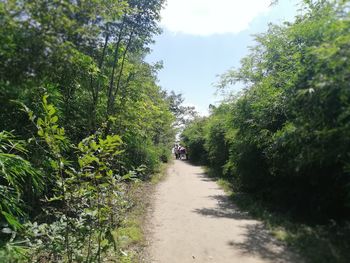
[{"x": 192, "y": 220}]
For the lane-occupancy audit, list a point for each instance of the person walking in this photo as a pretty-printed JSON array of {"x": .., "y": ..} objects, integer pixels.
[{"x": 176, "y": 151}]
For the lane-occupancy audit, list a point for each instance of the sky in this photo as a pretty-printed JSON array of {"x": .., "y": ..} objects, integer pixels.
[{"x": 202, "y": 39}]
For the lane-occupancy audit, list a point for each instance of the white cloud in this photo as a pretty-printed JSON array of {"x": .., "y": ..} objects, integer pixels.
[{"x": 207, "y": 17}]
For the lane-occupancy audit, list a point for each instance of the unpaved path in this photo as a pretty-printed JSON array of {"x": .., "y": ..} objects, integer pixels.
[{"x": 193, "y": 221}]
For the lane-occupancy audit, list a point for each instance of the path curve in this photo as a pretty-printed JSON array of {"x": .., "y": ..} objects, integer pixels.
[{"x": 192, "y": 220}]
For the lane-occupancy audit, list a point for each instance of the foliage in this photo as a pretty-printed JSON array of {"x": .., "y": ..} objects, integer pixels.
[
  {"x": 193, "y": 139},
  {"x": 17, "y": 177},
  {"x": 285, "y": 138},
  {"x": 216, "y": 143},
  {"x": 89, "y": 194},
  {"x": 183, "y": 114},
  {"x": 88, "y": 58},
  {"x": 85, "y": 54}
]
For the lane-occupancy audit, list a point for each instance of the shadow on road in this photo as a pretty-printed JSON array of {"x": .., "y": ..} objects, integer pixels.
[
  {"x": 224, "y": 209},
  {"x": 256, "y": 239},
  {"x": 258, "y": 242},
  {"x": 205, "y": 178}
]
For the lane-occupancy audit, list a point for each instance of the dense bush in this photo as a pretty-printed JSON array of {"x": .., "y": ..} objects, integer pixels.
[
  {"x": 193, "y": 139},
  {"x": 288, "y": 132},
  {"x": 88, "y": 57},
  {"x": 216, "y": 143}
]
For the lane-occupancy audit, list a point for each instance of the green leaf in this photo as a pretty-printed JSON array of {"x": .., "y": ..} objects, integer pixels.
[
  {"x": 51, "y": 110},
  {"x": 54, "y": 119},
  {"x": 56, "y": 198},
  {"x": 11, "y": 220},
  {"x": 41, "y": 132},
  {"x": 40, "y": 122}
]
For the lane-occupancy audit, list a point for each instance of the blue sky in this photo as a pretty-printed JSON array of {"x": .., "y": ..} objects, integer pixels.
[{"x": 195, "y": 50}]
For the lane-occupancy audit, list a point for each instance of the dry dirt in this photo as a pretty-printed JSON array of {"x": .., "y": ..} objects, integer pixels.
[{"x": 192, "y": 220}]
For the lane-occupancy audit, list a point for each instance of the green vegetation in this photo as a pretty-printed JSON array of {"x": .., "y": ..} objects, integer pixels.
[
  {"x": 82, "y": 119},
  {"x": 283, "y": 142},
  {"x": 129, "y": 235},
  {"x": 159, "y": 175}
]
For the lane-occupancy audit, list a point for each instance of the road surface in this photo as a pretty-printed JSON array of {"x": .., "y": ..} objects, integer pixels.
[{"x": 192, "y": 220}]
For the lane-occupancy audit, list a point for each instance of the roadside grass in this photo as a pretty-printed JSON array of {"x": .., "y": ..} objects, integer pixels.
[
  {"x": 316, "y": 243},
  {"x": 130, "y": 235},
  {"x": 161, "y": 173}
]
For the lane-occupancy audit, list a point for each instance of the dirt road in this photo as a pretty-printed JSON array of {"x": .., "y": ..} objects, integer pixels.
[{"x": 192, "y": 220}]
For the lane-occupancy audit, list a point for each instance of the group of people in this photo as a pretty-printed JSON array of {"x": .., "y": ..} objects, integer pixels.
[{"x": 180, "y": 152}]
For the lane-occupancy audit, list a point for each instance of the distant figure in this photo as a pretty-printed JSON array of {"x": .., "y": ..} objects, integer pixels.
[
  {"x": 183, "y": 153},
  {"x": 176, "y": 151}
]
